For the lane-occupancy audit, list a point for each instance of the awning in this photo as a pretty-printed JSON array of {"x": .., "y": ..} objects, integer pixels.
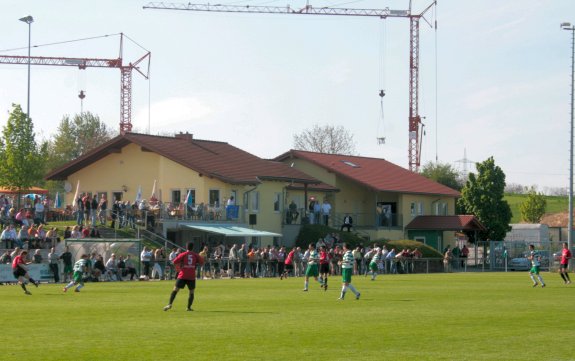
[
  {"x": 233, "y": 231},
  {"x": 23, "y": 191}
]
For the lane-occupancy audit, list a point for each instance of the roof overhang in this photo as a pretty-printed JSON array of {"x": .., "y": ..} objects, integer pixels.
[{"x": 233, "y": 231}]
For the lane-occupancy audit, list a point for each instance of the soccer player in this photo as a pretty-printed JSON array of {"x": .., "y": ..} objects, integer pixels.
[
  {"x": 289, "y": 264},
  {"x": 346, "y": 271},
  {"x": 323, "y": 267},
  {"x": 311, "y": 270},
  {"x": 375, "y": 262},
  {"x": 564, "y": 267},
  {"x": 20, "y": 271},
  {"x": 535, "y": 259},
  {"x": 185, "y": 264},
  {"x": 80, "y": 267}
]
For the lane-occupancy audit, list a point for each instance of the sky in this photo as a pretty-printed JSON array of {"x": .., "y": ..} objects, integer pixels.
[{"x": 495, "y": 76}]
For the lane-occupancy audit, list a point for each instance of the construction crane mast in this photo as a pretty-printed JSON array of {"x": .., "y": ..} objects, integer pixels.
[
  {"x": 83, "y": 63},
  {"x": 415, "y": 124}
]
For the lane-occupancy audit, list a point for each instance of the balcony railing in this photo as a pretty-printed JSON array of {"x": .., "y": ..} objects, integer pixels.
[{"x": 335, "y": 220}]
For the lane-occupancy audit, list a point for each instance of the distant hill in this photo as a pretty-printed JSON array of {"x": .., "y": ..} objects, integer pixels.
[{"x": 555, "y": 204}]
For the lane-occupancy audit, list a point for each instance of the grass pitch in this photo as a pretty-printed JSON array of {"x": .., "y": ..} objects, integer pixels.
[{"x": 473, "y": 316}]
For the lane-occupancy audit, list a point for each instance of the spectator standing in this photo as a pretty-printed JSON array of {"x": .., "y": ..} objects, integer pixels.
[
  {"x": 53, "y": 259},
  {"x": 102, "y": 208},
  {"x": 347, "y": 223},
  {"x": 66, "y": 258},
  {"x": 325, "y": 210},
  {"x": 146, "y": 258},
  {"x": 94, "y": 213}
]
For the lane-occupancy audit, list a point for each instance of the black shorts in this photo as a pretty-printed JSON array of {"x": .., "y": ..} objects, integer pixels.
[
  {"x": 289, "y": 267},
  {"x": 180, "y": 283},
  {"x": 19, "y": 272},
  {"x": 323, "y": 268},
  {"x": 563, "y": 266}
]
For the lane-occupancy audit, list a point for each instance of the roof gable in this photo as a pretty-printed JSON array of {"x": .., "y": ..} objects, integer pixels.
[
  {"x": 210, "y": 158},
  {"x": 374, "y": 173},
  {"x": 446, "y": 223}
]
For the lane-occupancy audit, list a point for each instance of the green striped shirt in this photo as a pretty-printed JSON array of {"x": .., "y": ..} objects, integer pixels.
[{"x": 347, "y": 260}]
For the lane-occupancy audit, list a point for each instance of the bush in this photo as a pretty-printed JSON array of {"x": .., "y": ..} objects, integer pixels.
[{"x": 310, "y": 233}]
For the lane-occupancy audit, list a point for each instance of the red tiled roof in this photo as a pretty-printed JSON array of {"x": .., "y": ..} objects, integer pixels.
[
  {"x": 446, "y": 223},
  {"x": 210, "y": 158},
  {"x": 374, "y": 173}
]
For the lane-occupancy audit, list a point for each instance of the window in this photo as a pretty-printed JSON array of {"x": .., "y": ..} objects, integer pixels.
[
  {"x": 420, "y": 239},
  {"x": 255, "y": 201},
  {"x": 350, "y": 163},
  {"x": 412, "y": 209},
  {"x": 214, "y": 197},
  {"x": 176, "y": 196},
  {"x": 441, "y": 209},
  {"x": 277, "y": 205},
  {"x": 420, "y": 209}
]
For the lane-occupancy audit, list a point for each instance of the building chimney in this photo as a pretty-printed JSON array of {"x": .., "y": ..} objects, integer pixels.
[{"x": 185, "y": 136}]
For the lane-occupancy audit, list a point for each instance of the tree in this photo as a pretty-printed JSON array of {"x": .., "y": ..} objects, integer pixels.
[
  {"x": 21, "y": 160},
  {"x": 327, "y": 139},
  {"x": 76, "y": 137},
  {"x": 443, "y": 174},
  {"x": 534, "y": 207},
  {"x": 482, "y": 196}
]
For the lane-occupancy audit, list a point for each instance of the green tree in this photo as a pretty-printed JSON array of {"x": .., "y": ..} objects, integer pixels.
[
  {"x": 443, "y": 174},
  {"x": 327, "y": 139},
  {"x": 482, "y": 196},
  {"x": 534, "y": 207},
  {"x": 21, "y": 160},
  {"x": 76, "y": 137}
]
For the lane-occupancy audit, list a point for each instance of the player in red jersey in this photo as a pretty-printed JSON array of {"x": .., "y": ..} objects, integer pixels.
[
  {"x": 324, "y": 259},
  {"x": 185, "y": 264},
  {"x": 20, "y": 271},
  {"x": 564, "y": 267}
]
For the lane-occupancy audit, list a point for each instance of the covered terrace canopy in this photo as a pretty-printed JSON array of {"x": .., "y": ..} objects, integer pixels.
[
  {"x": 233, "y": 231},
  {"x": 35, "y": 190}
]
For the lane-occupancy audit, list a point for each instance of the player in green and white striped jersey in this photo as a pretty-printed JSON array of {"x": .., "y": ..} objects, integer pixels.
[
  {"x": 374, "y": 263},
  {"x": 312, "y": 269},
  {"x": 346, "y": 271},
  {"x": 80, "y": 267}
]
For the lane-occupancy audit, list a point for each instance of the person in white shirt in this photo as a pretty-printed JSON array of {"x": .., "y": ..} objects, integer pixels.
[{"x": 325, "y": 210}]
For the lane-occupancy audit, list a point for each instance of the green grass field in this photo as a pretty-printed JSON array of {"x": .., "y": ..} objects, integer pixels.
[
  {"x": 555, "y": 204},
  {"x": 472, "y": 316}
]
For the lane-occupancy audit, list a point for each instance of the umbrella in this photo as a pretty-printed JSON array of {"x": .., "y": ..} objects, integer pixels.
[{"x": 31, "y": 195}]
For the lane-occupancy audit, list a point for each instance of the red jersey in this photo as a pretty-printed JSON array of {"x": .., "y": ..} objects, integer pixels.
[
  {"x": 186, "y": 263},
  {"x": 289, "y": 259},
  {"x": 565, "y": 256},
  {"x": 18, "y": 260},
  {"x": 323, "y": 257}
]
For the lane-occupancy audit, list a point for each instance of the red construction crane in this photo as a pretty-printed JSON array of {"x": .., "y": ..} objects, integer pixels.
[
  {"x": 415, "y": 124},
  {"x": 83, "y": 63}
]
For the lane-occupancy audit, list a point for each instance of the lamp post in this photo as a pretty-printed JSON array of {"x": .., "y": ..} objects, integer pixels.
[
  {"x": 28, "y": 20},
  {"x": 568, "y": 26}
]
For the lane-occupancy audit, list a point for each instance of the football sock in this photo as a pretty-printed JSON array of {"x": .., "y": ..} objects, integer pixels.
[
  {"x": 172, "y": 297},
  {"x": 23, "y": 286},
  {"x": 563, "y": 276},
  {"x": 79, "y": 287},
  {"x": 190, "y": 300},
  {"x": 69, "y": 285},
  {"x": 343, "y": 290},
  {"x": 540, "y": 279},
  {"x": 567, "y": 276},
  {"x": 532, "y": 277},
  {"x": 305, "y": 284},
  {"x": 352, "y": 289}
]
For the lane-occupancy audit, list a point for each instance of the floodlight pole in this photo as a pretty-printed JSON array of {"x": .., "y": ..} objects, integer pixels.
[
  {"x": 28, "y": 20},
  {"x": 568, "y": 26}
]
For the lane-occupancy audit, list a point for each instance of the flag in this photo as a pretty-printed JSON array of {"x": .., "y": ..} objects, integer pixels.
[
  {"x": 189, "y": 199},
  {"x": 139, "y": 194},
  {"x": 76, "y": 195},
  {"x": 57, "y": 202},
  {"x": 153, "y": 196}
]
